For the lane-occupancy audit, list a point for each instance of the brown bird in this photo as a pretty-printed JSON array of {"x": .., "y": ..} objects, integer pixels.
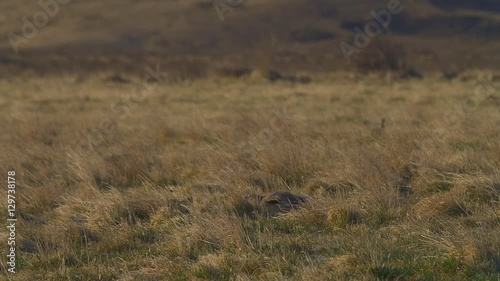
[{"x": 280, "y": 201}]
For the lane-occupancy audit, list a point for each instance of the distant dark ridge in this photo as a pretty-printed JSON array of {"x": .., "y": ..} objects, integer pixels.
[
  {"x": 439, "y": 25},
  {"x": 483, "y": 5}
]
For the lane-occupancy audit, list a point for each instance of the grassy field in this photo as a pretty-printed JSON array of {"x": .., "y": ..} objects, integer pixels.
[
  {"x": 125, "y": 176},
  {"x": 402, "y": 178}
]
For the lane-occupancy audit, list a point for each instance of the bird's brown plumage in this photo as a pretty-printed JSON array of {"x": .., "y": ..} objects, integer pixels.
[{"x": 283, "y": 200}]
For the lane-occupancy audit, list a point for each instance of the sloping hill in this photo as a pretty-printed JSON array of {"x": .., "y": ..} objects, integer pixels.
[{"x": 298, "y": 35}]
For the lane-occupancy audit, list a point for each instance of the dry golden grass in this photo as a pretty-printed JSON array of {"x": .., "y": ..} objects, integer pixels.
[{"x": 163, "y": 196}]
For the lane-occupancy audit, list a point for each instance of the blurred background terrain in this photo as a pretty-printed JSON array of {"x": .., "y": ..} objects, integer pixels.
[{"x": 289, "y": 36}]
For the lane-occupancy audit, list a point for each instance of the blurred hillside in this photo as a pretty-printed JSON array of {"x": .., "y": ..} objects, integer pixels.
[{"x": 291, "y": 36}]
